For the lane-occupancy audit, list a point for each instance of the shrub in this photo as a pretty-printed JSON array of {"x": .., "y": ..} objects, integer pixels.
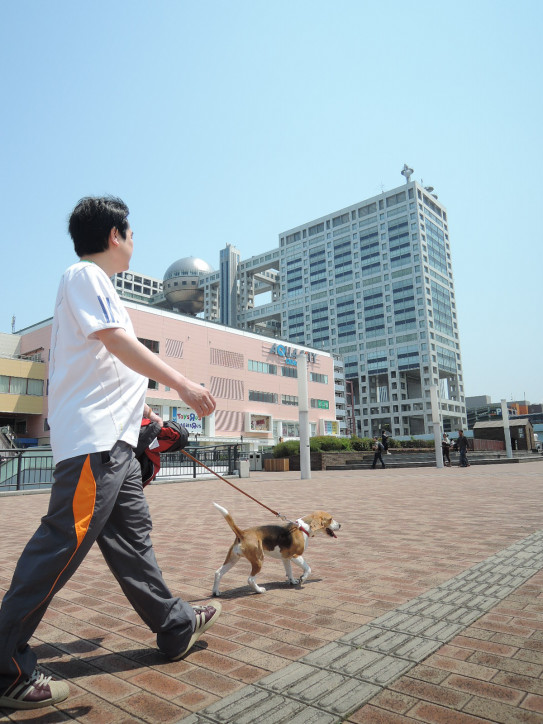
[
  {"x": 416, "y": 443},
  {"x": 316, "y": 444},
  {"x": 286, "y": 449},
  {"x": 328, "y": 442},
  {"x": 360, "y": 443}
]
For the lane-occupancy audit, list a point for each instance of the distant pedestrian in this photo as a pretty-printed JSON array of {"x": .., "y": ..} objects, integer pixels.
[
  {"x": 446, "y": 446},
  {"x": 462, "y": 446},
  {"x": 384, "y": 440},
  {"x": 378, "y": 448}
]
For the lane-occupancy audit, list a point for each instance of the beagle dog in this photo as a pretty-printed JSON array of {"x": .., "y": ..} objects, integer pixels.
[{"x": 285, "y": 542}]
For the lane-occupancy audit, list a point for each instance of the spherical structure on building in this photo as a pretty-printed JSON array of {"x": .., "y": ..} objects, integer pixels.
[{"x": 181, "y": 284}]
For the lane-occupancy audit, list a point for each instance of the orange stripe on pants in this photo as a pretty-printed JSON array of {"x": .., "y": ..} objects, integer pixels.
[
  {"x": 84, "y": 500},
  {"x": 83, "y": 507}
]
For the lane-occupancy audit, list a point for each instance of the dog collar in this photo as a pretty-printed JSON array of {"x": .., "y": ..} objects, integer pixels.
[{"x": 303, "y": 526}]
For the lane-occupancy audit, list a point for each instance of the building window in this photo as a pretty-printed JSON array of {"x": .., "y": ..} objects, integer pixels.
[
  {"x": 264, "y": 367},
  {"x": 151, "y": 344},
  {"x": 152, "y": 385},
  {"x": 289, "y": 371},
  {"x": 290, "y": 429},
  {"x": 289, "y": 400},
  {"x": 317, "y": 377},
  {"x": 258, "y": 396},
  {"x": 34, "y": 387},
  {"x": 20, "y": 386}
]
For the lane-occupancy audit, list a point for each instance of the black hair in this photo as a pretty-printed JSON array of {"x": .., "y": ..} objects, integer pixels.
[{"x": 92, "y": 220}]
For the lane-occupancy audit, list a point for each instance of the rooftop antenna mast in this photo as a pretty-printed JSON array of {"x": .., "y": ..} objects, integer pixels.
[
  {"x": 406, "y": 171},
  {"x": 13, "y": 325}
]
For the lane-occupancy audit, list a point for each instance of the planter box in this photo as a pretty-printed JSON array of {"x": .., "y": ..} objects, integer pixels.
[{"x": 276, "y": 465}]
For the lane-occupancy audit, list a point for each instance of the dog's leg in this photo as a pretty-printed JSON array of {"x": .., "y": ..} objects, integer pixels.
[
  {"x": 288, "y": 570},
  {"x": 256, "y": 588},
  {"x": 306, "y": 569},
  {"x": 256, "y": 558},
  {"x": 231, "y": 559}
]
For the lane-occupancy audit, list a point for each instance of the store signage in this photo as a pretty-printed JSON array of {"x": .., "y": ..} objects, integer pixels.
[
  {"x": 261, "y": 423},
  {"x": 331, "y": 427},
  {"x": 289, "y": 354},
  {"x": 187, "y": 419}
]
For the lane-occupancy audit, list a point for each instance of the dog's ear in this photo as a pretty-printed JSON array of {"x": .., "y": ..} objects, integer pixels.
[
  {"x": 318, "y": 521},
  {"x": 315, "y": 524}
]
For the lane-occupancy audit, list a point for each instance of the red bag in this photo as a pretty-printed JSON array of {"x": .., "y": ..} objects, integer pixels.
[{"x": 154, "y": 440}]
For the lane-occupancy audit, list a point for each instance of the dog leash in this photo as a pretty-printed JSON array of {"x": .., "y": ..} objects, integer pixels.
[{"x": 279, "y": 515}]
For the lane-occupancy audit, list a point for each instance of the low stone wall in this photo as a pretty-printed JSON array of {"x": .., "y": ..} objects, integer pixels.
[
  {"x": 320, "y": 461},
  {"x": 410, "y": 456},
  {"x": 323, "y": 460}
]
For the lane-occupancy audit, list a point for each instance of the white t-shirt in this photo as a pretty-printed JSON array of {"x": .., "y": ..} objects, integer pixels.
[{"x": 94, "y": 399}]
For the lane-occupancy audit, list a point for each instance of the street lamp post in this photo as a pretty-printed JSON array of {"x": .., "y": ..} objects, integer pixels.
[
  {"x": 436, "y": 424},
  {"x": 303, "y": 417},
  {"x": 506, "y": 429}
]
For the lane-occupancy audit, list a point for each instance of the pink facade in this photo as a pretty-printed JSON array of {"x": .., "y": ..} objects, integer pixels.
[{"x": 249, "y": 376}]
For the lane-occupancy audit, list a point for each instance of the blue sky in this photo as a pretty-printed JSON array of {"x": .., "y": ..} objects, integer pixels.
[{"x": 231, "y": 121}]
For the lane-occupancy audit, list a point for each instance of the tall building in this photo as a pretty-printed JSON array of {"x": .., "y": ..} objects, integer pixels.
[
  {"x": 229, "y": 262},
  {"x": 371, "y": 282}
]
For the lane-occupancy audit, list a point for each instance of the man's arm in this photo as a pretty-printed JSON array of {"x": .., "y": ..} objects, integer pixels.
[{"x": 140, "y": 359}]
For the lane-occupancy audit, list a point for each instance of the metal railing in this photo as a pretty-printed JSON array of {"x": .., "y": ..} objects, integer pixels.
[
  {"x": 26, "y": 468},
  {"x": 32, "y": 468},
  {"x": 220, "y": 458}
]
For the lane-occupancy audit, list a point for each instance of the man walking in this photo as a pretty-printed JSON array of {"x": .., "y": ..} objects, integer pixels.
[
  {"x": 462, "y": 446},
  {"x": 384, "y": 439},
  {"x": 98, "y": 379},
  {"x": 378, "y": 448}
]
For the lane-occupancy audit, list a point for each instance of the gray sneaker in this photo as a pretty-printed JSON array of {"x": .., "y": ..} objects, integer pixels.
[
  {"x": 35, "y": 692},
  {"x": 205, "y": 618}
]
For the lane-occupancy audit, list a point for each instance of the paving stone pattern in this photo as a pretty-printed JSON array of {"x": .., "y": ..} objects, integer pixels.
[
  {"x": 340, "y": 677},
  {"x": 425, "y": 609}
]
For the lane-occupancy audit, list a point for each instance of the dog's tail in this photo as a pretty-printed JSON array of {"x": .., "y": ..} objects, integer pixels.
[{"x": 230, "y": 521}]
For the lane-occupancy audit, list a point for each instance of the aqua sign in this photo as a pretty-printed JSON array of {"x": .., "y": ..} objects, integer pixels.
[{"x": 289, "y": 354}]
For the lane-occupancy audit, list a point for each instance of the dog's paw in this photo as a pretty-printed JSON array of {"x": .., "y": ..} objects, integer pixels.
[
  {"x": 260, "y": 589},
  {"x": 294, "y": 581},
  {"x": 216, "y": 594}
]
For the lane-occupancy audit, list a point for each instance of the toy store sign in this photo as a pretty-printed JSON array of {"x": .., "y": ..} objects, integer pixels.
[
  {"x": 289, "y": 354},
  {"x": 187, "y": 419}
]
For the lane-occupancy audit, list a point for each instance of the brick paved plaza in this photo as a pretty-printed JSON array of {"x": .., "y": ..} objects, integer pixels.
[{"x": 427, "y": 608}]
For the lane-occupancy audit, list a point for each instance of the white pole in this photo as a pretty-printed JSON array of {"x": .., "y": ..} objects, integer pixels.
[
  {"x": 506, "y": 429},
  {"x": 303, "y": 417},
  {"x": 436, "y": 425}
]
